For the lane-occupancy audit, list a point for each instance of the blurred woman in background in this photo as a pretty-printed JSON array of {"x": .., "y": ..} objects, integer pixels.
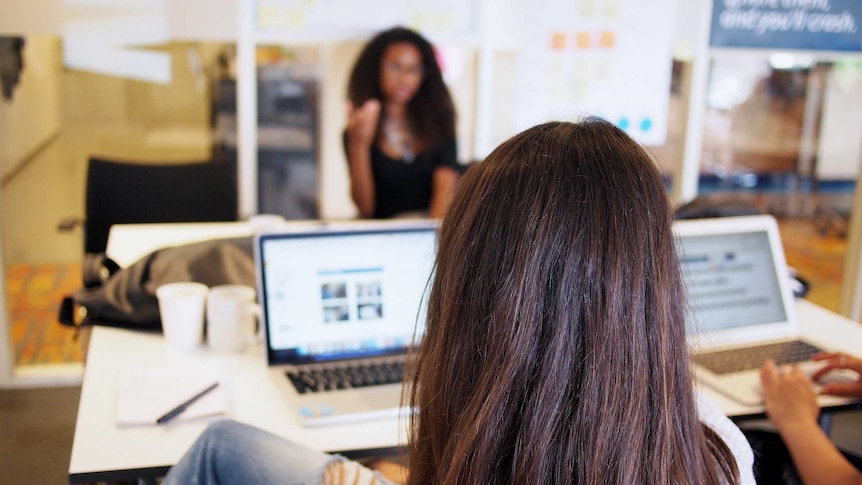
[{"x": 400, "y": 136}]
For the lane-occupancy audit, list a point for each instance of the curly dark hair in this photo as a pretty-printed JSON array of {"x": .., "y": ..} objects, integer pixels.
[{"x": 431, "y": 112}]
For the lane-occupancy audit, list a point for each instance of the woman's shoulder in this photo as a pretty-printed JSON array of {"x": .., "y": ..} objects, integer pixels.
[{"x": 710, "y": 415}]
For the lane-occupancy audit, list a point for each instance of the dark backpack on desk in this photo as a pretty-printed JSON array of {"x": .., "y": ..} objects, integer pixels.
[{"x": 127, "y": 297}]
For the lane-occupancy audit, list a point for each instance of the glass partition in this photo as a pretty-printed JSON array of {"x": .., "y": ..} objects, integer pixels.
[
  {"x": 61, "y": 117},
  {"x": 781, "y": 137},
  {"x": 781, "y": 132}
]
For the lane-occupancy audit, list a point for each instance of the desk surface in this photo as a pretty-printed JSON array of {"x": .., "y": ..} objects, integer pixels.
[
  {"x": 101, "y": 451},
  {"x": 129, "y": 242}
]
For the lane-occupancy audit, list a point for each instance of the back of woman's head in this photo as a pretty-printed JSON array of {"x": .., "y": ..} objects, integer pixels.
[
  {"x": 431, "y": 112},
  {"x": 555, "y": 350}
]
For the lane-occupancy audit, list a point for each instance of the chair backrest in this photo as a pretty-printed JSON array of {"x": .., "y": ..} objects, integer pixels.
[
  {"x": 122, "y": 192},
  {"x": 703, "y": 207}
]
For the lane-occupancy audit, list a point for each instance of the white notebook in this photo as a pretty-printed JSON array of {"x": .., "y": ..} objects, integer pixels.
[{"x": 147, "y": 393}]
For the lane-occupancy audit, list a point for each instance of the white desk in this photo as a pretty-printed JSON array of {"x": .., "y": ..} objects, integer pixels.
[
  {"x": 101, "y": 451},
  {"x": 129, "y": 242}
]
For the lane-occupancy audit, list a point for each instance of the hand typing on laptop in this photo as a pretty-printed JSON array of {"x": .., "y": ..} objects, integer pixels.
[
  {"x": 838, "y": 364},
  {"x": 791, "y": 404},
  {"x": 742, "y": 310}
]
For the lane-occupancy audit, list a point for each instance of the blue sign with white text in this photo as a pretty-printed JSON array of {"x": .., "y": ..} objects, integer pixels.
[{"x": 821, "y": 25}]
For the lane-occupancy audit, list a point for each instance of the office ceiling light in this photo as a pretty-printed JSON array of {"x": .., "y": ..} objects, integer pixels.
[{"x": 785, "y": 60}]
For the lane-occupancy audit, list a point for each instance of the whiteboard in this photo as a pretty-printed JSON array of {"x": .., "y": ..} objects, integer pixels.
[
  {"x": 605, "y": 58},
  {"x": 564, "y": 59},
  {"x": 327, "y": 20}
]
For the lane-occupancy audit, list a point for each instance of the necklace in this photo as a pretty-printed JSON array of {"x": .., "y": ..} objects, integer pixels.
[{"x": 399, "y": 138}]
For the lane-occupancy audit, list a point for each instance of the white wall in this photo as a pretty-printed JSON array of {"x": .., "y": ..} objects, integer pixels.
[
  {"x": 32, "y": 116},
  {"x": 187, "y": 19},
  {"x": 334, "y": 190},
  {"x": 840, "y": 148}
]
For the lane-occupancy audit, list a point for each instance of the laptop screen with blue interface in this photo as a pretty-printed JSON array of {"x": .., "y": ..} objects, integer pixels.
[{"x": 334, "y": 295}]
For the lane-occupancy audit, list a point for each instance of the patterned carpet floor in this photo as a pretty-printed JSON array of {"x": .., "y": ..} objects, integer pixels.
[
  {"x": 34, "y": 295},
  {"x": 817, "y": 256}
]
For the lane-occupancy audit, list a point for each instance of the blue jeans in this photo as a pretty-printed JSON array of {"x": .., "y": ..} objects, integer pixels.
[{"x": 228, "y": 452}]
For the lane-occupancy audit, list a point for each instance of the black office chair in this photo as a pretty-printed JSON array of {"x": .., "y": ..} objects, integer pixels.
[
  {"x": 702, "y": 207},
  {"x": 120, "y": 192}
]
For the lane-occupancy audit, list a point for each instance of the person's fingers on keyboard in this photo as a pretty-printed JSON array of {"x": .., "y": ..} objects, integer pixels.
[
  {"x": 836, "y": 360},
  {"x": 853, "y": 363},
  {"x": 823, "y": 371},
  {"x": 768, "y": 373},
  {"x": 843, "y": 389},
  {"x": 825, "y": 355},
  {"x": 787, "y": 394}
]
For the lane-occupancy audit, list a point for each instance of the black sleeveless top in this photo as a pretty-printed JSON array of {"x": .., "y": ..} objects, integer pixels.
[{"x": 401, "y": 186}]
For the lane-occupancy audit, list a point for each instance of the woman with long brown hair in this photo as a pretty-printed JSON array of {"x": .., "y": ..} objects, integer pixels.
[{"x": 554, "y": 348}]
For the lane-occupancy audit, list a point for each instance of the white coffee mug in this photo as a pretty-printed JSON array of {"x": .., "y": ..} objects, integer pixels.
[
  {"x": 231, "y": 314},
  {"x": 181, "y": 308},
  {"x": 266, "y": 222}
]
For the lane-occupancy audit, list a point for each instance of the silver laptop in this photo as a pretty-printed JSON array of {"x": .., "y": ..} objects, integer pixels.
[
  {"x": 741, "y": 306},
  {"x": 340, "y": 308}
]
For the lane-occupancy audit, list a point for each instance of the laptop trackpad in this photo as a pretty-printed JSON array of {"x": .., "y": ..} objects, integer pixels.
[{"x": 347, "y": 406}]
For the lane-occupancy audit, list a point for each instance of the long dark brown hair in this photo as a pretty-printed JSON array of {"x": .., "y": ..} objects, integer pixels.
[
  {"x": 555, "y": 349},
  {"x": 431, "y": 113}
]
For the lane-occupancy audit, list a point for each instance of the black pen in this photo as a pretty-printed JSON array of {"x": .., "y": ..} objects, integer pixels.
[{"x": 173, "y": 413}]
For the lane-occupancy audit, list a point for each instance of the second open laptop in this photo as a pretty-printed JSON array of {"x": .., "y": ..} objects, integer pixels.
[
  {"x": 742, "y": 310},
  {"x": 340, "y": 308}
]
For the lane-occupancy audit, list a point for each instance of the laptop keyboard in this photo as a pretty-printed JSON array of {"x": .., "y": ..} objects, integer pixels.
[
  {"x": 748, "y": 358},
  {"x": 317, "y": 380}
]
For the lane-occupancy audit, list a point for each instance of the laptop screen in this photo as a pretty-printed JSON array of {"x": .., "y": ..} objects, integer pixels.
[
  {"x": 333, "y": 295},
  {"x": 731, "y": 281}
]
